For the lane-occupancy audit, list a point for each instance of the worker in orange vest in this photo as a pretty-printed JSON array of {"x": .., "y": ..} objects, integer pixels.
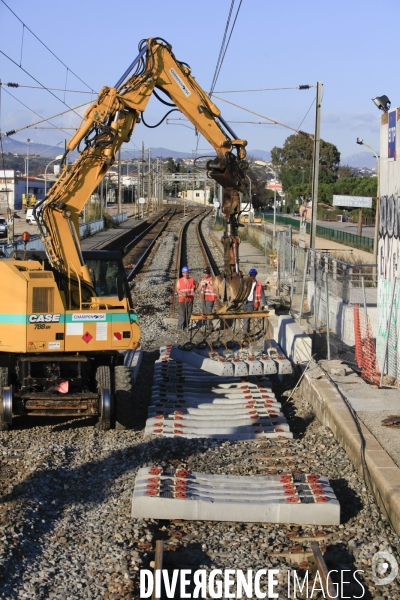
[
  {"x": 255, "y": 299},
  {"x": 207, "y": 295},
  {"x": 185, "y": 288}
]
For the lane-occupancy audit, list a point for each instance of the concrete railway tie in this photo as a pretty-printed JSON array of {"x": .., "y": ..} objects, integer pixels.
[
  {"x": 190, "y": 403},
  {"x": 286, "y": 498}
]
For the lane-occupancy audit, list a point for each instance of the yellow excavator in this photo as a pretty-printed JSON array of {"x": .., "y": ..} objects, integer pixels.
[{"x": 67, "y": 316}]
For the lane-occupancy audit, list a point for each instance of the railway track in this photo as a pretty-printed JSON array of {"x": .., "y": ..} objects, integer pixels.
[{"x": 67, "y": 489}]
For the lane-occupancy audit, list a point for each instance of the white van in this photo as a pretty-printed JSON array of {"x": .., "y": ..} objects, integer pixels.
[{"x": 29, "y": 216}]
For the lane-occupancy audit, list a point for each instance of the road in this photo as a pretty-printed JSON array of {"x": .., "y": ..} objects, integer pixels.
[{"x": 367, "y": 230}]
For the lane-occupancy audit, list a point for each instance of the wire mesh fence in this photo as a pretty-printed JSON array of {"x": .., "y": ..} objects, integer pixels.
[
  {"x": 334, "y": 300},
  {"x": 351, "y": 316}
]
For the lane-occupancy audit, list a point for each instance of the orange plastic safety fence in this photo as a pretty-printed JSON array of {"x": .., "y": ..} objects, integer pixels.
[{"x": 357, "y": 336}]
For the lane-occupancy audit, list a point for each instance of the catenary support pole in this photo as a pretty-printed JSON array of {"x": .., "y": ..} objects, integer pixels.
[
  {"x": 317, "y": 142},
  {"x": 119, "y": 181}
]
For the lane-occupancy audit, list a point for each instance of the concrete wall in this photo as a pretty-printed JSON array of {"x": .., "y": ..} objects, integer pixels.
[
  {"x": 341, "y": 314},
  {"x": 389, "y": 245}
]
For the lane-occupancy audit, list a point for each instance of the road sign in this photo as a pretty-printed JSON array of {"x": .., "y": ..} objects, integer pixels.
[
  {"x": 142, "y": 200},
  {"x": 353, "y": 201},
  {"x": 217, "y": 204}
]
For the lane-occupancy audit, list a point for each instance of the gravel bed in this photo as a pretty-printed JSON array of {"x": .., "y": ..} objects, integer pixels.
[{"x": 65, "y": 521}]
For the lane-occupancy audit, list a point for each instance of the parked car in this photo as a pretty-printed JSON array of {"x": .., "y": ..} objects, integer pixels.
[
  {"x": 296, "y": 213},
  {"x": 3, "y": 227}
]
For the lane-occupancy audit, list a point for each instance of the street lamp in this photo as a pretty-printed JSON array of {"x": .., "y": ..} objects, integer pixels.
[
  {"x": 28, "y": 141},
  {"x": 382, "y": 102},
  {"x": 362, "y": 143},
  {"x": 59, "y": 157}
]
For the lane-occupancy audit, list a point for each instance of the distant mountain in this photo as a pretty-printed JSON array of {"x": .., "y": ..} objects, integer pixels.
[
  {"x": 165, "y": 153},
  {"x": 361, "y": 159},
  {"x": 15, "y": 147},
  {"x": 262, "y": 154}
]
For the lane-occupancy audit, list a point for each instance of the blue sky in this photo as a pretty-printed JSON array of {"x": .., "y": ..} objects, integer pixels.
[{"x": 273, "y": 45}]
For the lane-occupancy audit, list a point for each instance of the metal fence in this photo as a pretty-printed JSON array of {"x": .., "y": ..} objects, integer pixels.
[
  {"x": 343, "y": 237},
  {"x": 35, "y": 242},
  {"x": 324, "y": 293},
  {"x": 351, "y": 316}
]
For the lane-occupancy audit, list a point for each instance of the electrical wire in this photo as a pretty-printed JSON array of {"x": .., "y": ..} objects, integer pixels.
[
  {"x": 247, "y": 122},
  {"x": 263, "y": 117},
  {"x": 297, "y": 87},
  {"x": 36, "y": 87},
  {"x": 305, "y": 116},
  {"x": 37, "y": 81},
  {"x": 37, "y": 114},
  {"x": 214, "y": 80},
  {"x": 229, "y": 39},
  {"x": 47, "y": 48}
]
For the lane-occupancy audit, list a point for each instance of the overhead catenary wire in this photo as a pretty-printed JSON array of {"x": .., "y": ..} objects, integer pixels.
[
  {"x": 8, "y": 133},
  {"x": 37, "y": 81},
  {"x": 266, "y": 118},
  {"x": 305, "y": 116},
  {"x": 214, "y": 80},
  {"x": 37, "y": 87},
  {"x": 297, "y": 87},
  {"x": 25, "y": 26},
  {"x": 228, "y": 121},
  {"x": 227, "y": 44}
]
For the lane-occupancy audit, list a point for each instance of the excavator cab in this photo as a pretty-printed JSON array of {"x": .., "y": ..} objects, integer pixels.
[{"x": 107, "y": 273}]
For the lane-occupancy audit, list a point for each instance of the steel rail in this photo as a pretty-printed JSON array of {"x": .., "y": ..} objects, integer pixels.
[
  {"x": 142, "y": 234},
  {"x": 180, "y": 258},
  {"x": 142, "y": 259},
  {"x": 207, "y": 254},
  {"x": 122, "y": 236}
]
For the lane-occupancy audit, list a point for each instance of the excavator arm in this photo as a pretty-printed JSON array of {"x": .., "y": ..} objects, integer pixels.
[{"x": 107, "y": 124}]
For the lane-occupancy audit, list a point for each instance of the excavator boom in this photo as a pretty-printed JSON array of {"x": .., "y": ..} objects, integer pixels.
[{"x": 108, "y": 123}]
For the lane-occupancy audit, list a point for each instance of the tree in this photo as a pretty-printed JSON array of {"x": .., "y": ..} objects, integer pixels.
[
  {"x": 345, "y": 186},
  {"x": 294, "y": 161}
]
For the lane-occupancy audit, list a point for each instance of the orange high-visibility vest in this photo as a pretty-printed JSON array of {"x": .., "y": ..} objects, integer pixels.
[
  {"x": 207, "y": 291},
  {"x": 257, "y": 294},
  {"x": 186, "y": 285}
]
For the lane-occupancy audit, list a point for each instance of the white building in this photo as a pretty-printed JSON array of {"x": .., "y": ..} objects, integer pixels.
[
  {"x": 6, "y": 190},
  {"x": 12, "y": 187},
  {"x": 199, "y": 196}
]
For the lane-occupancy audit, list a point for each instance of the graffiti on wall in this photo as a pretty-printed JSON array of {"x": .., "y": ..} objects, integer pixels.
[{"x": 389, "y": 236}]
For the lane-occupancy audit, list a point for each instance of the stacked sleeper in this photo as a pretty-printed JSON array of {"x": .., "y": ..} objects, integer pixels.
[
  {"x": 191, "y": 403},
  {"x": 286, "y": 498},
  {"x": 232, "y": 367}
]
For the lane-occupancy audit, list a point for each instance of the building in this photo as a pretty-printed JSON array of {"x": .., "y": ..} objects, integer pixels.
[
  {"x": 7, "y": 190},
  {"x": 13, "y": 186},
  {"x": 198, "y": 196}
]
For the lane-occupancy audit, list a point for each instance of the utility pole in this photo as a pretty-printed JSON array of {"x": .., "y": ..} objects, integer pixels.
[
  {"x": 27, "y": 169},
  {"x": 149, "y": 183},
  {"x": 157, "y": 194},
  {"x": 119, "y": 181},
  {"x": 101, "y": 198},
  {"x": 142, "y": 180},
  {"x": 317, "y": 142},
  {"x": 138, "y": 187}
]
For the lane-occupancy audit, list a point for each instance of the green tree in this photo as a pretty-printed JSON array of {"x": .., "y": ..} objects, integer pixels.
[
  {"x": 345, "y": 186},
  {"x": 294, "y": 161}
]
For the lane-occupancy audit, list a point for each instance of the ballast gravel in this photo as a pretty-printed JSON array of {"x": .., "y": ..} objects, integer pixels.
[{"x": 65, "y": 526}]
